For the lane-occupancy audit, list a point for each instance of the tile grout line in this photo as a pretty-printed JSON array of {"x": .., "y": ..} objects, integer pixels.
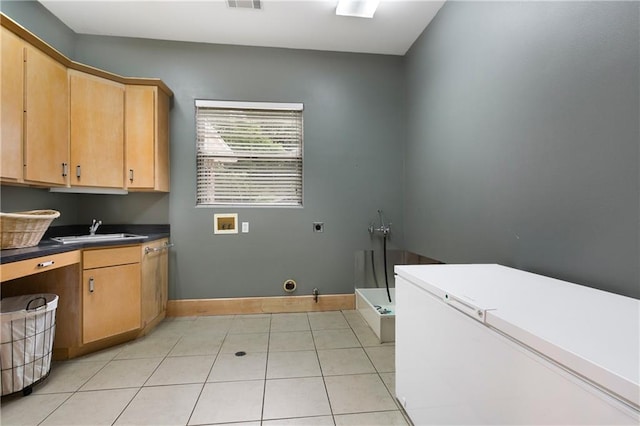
[
  {"x": 364, "y": 349},
  {"x": 324, "y": 382},
  {"x": 210, "y": 370},
  {"x": 393, "y": 398},
  {"x": 78, "y": 390},
  {"x": 183, "y": 333},
  {"x": 148, "y": 378},
  {"x": 55, "y": 409},
  {"x": 266, "y": 367}
]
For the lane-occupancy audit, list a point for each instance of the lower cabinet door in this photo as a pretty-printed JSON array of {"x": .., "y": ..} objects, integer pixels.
[
  {"x": 155, "y": 279},
  {"x": 111, "y": 301}
]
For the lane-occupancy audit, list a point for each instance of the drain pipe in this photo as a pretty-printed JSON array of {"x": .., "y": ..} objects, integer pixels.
[
  {"x": 316, "y": 293},
  {"x": 384, "y": 257}
]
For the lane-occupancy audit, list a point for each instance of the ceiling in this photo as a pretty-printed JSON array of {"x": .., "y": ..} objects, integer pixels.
[{"x": 297, "y": 24}]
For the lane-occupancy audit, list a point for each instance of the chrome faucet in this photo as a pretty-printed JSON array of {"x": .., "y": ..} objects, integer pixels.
[
  {"x": 94, "y": 226},
  {"x": 385, "y": 229}
]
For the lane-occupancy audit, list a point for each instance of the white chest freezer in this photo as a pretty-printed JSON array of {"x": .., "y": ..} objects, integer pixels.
[{"x": 487, "y": 344}]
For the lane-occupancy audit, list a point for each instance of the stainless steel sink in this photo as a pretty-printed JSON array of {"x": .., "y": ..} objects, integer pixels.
[{"x": 98, "y": 238}]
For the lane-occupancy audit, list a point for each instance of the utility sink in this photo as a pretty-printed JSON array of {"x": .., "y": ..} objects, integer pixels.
[{"x": 98, "y": 238}]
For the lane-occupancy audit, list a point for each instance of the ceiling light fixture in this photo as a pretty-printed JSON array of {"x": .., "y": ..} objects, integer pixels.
[
  {"x": 245, "y": 4},
  {"x": 357, "y": 8}
]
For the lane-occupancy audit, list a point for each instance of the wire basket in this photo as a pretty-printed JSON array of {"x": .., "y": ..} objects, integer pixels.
[
  {"x": 27, "y": 330},
  {"x": 25, "y": 229}
]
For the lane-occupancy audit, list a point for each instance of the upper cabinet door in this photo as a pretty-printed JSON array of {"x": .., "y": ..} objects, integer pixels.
[
  {"x": 11, "y": 112},
  {"x": 146, "y": 138},
  {"x": 162, "y": 142},
  {"x": 46, "y": 128},
  {"x": 140, "y": 127},
  {"x": 97, "y": 131}
]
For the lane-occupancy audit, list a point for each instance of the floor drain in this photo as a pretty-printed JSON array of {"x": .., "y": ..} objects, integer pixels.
[{"x": 241, "y": 353}]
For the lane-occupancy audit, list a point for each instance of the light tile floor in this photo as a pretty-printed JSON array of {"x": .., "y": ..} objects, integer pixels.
[{"x": 321, "y": 368}]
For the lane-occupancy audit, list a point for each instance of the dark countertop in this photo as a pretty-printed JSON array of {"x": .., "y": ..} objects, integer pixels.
[{"x": 48, "y": 246}]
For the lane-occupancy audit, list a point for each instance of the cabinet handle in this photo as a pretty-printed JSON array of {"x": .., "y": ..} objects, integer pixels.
[
  {"x": 65, "y": 169},
  {"x": 148, "y": 250},
  {"x": 78, "y": 171},
  {"x": 45, "y": 264},
  {"x": 91, "y": 285},
  {"x": 131, "y": 175}
]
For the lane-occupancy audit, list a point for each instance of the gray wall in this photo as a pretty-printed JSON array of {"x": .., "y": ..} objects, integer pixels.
[
  {"x": 522, "y": 148},
  {"x": 523, "y": 139},
  {"x": 353, "y": 163},
  {"x": 352, "y": 160},
  {"x": 32, "y": 15},
  {"x": 16, "y": 199}
]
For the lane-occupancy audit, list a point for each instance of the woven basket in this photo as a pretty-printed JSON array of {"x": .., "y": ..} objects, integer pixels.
[
  {"x": 27, "y": 330},
  {"x": 25, "y": 229}
]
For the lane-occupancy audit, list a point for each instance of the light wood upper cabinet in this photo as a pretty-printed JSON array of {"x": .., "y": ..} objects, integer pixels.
[
  {"x": 146, "y": 138},
  {"x": 62, "y": 123},
  {"x": 46, "y": 125},
  {"x": 97, "y": 131},
  {"x": 11, "y": 112}
]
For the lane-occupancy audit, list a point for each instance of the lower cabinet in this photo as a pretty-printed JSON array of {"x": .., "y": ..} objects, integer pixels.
[
  {"x": 111, "y": 292},
  {"x": 155, "y": 280},
  {"x": 107, "y": 295}
]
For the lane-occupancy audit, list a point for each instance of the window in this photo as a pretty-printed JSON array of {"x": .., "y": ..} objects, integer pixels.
[{"x": 248, "y": 153}]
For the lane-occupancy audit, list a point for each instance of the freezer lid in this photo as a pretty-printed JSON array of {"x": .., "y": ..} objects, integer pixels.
[
  {"x": 474, "y": 285},
  {"x": 589, "y": 331},
  {"x": 450, "y": 284}
]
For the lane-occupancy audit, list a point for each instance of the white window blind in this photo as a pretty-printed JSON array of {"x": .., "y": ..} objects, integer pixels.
[{"x": 249, "y": 153}]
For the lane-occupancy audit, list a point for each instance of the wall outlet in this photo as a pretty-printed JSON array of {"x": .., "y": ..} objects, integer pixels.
[
  {"x": 245, "y": 227},
  {"x": 318, "y": 226}
]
